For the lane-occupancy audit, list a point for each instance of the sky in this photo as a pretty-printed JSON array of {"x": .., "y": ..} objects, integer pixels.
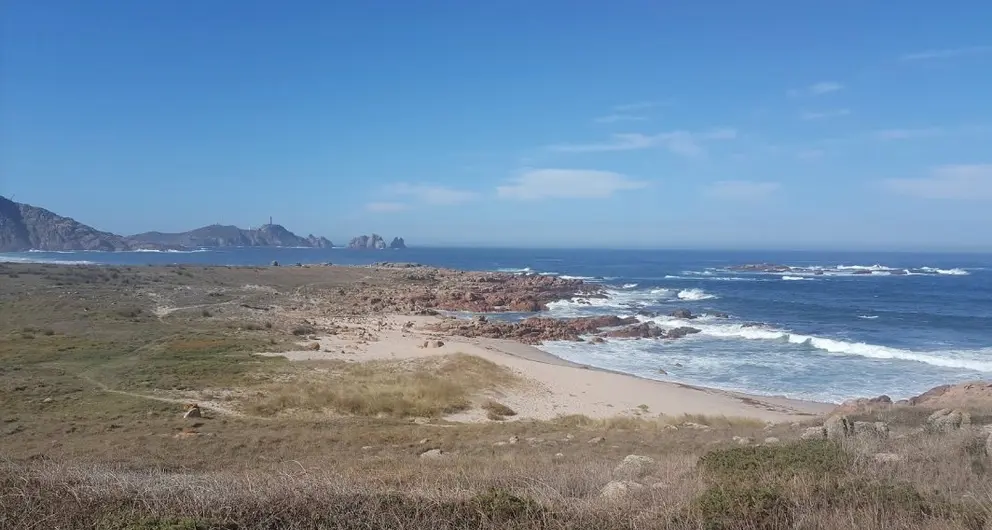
[{"x": 847, "y": 124}]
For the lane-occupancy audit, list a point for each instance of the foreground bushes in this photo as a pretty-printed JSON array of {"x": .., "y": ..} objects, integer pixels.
[{"x": 815, "y": 485}]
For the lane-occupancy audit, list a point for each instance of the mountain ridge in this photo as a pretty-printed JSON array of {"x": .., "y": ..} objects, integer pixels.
[{"x": 26, "y": 227}]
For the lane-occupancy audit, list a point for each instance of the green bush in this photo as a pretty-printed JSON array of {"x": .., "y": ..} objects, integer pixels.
[{"x": 774, "y": 463}]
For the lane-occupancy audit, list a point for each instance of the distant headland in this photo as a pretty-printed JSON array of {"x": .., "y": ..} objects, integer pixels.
[{"x": 26, "y": 227}]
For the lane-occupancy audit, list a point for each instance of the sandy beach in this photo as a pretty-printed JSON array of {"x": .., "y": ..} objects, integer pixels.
[{"x": 552, "y": 386}]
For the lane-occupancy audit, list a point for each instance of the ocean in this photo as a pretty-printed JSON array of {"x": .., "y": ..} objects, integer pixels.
[{"x": 839, "y": 325}]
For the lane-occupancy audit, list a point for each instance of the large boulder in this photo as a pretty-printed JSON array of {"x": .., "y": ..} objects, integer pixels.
[
  {"x": 868, "y": 429},
  {"x": 947, "y": 420},
  {"x": 855, "y": 405},
  {"x": 814, "y": 433},
  {"x": 838, "y": 427},
  {"x": 678, "y": 333},
  {"x": 684, "y": 314},
  {"x": 646, "y": 330},
  {"x": 633, "y": 466}
]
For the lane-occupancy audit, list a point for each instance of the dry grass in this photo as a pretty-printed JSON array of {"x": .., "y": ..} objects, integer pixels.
[
  {"x": 428, "y": 388},
  {"x": 332, "y": 445}
]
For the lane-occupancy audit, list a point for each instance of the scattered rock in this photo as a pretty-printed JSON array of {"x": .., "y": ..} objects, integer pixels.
[
  {"x": 617, "y": 489},
  {"x": 814, "y": 433},
  {"x": 693, "y": 425},
  {"x": 888, "y": 457},
  {"x": 366, "y": 447},
  {"x": 771, "y": 440},
  {"x": 559, "y": 455},
  {"x": 424, "y": 441},
  {"x": 633, "y": 466},
  {"x": 514, "y": 439},
  {"x": 597, "y": 440},
  {"x": 432, "y": 454},
  {"x": 947, "y": 420},
  {"x": 597, "y": 340},
  {"x": 662, "y": 372},
  {"x": 192, "y": 411},
  {"x": 684, "y": 314},
  {"x": 47, "y": 400},
  {"x": 314, "y": 346},
  {"x": 743, "y": 440}
]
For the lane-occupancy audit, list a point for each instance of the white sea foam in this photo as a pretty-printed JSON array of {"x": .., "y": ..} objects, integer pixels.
[
  {"x": 949, "y": 272},
  {"x": 965, "y": 359},
  {"x": 583, "y": 278},
  {"x": 693, "y": 295},
  {"x": 18, "y": 259},
  {"x": 513, "y": 270},
  {"x": 795, "y": 278},
  {"x": 629, "y": 286},
  {"x": 173, "y": 251},
  {"x": 868, "y": 317}
]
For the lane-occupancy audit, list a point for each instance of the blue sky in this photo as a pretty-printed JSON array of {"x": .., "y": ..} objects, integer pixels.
[{"x": 839, "y": 124}]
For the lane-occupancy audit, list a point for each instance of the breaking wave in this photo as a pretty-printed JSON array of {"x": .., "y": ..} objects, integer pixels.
[
  {"x": 694, "y": 295},
  {"x": 964, "y": 359}
]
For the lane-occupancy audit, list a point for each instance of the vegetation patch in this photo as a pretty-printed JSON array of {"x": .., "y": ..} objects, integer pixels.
[{"x": 426, "y": 388}]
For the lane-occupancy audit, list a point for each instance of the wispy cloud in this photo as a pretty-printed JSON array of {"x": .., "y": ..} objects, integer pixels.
[
  {"x": 947, "y": 53},
  {"x": 824, "y": 114},
  {"x": 385, "y": 207},
  {"x": 432, "y": 194},
  {"x": 614, "y": 118},
  {"x": 742, "y": 190},
  {"x": 816, "y": 89},
  {"x": 566, "y": 184},
  {"x": 952, "y": 182},
  {"x": 683, "y": 143},
  {"x": 907, "y": 134}
]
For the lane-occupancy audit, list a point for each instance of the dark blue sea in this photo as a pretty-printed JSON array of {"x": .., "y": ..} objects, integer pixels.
[{"x": 839, "y": 325}]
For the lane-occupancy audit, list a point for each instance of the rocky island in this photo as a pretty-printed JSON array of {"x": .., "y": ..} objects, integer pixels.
[{"x": 375, "y": 242}]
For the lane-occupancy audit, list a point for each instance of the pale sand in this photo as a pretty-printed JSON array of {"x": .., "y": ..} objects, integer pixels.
[{"x": 554, "y": 386}]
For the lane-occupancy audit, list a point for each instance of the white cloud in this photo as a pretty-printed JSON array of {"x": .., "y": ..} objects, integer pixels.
[
  {"x": 947, "y": 53},
  {"x": 816, "y": 89},
  {"x": 431, "y": 194},
  {"x": 746, "y": 190},
  {"x": 822, "y": 115},
  {"x": 567, "y": 184},
  {"x": 683, "y": 143},
  {"x": 614, "y": 118},
  {"x": 907, "y": 134},
  {"x": 385, "y": 207},
  {"x": 953, "y": 182}
]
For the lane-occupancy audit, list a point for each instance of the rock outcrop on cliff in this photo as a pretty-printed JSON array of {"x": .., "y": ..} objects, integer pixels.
[
  {"x": 270, "y": 235},
  {"x": 26, "y": 227}
]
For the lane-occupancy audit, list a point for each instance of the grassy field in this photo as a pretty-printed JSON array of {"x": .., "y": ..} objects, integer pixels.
[{"x": 96, "y": 364}]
